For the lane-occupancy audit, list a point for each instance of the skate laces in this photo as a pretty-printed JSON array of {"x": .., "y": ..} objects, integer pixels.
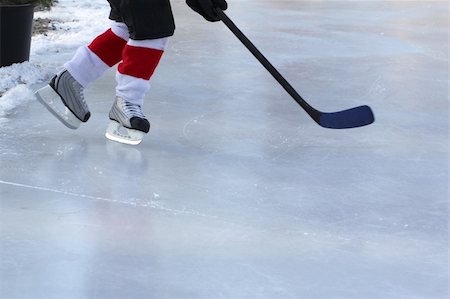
[
  {"x": 131, "y": 109},
  {"x": 79, "y": 89}
]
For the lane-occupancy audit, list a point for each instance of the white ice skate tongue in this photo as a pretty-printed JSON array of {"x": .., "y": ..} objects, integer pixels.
[{"x": 117, "y": 132}]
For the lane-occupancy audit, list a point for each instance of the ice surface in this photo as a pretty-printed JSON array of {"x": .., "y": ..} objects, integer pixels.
[{"x": 236, "y": 193}]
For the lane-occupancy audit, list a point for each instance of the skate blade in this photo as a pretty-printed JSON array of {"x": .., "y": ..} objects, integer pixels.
[
  {"x": 117, "y": 132},
  {"x": 48, "y": 97}
]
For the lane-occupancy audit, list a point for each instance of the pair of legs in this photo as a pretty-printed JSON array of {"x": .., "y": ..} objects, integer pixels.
[
  {"x": 136, "y": 41},
  {"x": 137, "y": 60}
]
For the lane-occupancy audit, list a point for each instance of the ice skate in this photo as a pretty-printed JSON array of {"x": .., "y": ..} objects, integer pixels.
[
  {"x": 128, "y": 123},
  {"x": 64, "y": 98}
]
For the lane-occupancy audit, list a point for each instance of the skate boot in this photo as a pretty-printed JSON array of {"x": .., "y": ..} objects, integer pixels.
[
  {"x": 128, "y": 123},
  {"x": 64, "y": 98}
]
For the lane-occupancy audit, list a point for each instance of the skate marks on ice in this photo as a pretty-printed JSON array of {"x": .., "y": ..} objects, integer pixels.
[
  {"x": 245, "y": 133},
  {"x": 266, "y": 135},
  {"x": 46, "y": 165},
  {"x": 135, "y": 202},
  {"x": 62, "y": 192},
  {"x": 55, "y": 173}
]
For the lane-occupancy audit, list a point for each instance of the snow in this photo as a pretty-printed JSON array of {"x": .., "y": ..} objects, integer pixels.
[
  {"x": 76, "y": 23},
  {"x": 72, "y": 29},
  {"x": 15, "y": 82},
  {"x": 16, "y": 96}
]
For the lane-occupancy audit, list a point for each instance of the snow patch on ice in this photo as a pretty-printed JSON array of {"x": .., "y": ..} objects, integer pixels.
[
  {"x": 21, "y": 73},
  {"x": 14, "y": 98},
  {"x": 15, "y": 86}
]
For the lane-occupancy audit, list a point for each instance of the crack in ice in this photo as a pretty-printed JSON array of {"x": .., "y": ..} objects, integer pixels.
[{"x": 136, "y": 202}]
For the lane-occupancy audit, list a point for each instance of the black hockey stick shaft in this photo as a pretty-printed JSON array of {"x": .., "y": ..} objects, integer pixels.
[{"x": 351, "y": 118}]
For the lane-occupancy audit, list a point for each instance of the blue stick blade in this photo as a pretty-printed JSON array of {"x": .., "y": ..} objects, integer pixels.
[{"x": 346, "y": 119}]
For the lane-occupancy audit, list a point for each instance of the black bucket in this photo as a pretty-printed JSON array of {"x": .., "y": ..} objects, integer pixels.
[{"x": 16, "y": 24}]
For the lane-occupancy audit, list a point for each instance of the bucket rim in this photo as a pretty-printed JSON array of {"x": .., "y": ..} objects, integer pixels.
[{"x": 17, "y": 5}]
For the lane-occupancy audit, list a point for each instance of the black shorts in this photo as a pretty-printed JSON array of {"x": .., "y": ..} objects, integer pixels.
[{"x": 145, "y": 19}]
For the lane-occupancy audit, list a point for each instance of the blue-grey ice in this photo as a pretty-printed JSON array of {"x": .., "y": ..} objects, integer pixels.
[{"x": 236, "y": 193}]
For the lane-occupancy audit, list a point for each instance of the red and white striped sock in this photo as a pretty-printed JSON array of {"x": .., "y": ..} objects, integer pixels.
[
  {"x": 139, "y": 61},
  {"x": 105, "y": 51}
]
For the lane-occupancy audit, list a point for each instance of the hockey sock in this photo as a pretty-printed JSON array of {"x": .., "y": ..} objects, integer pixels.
[
  {"x": 90, "y": 62},
  {"x": 139, "y": 61}
]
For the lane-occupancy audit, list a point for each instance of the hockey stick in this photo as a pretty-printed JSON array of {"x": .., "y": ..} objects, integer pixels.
[{"x": 350, "y": 118}]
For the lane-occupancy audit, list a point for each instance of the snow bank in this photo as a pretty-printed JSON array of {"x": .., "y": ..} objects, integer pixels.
[
  {"x": 76, "y": 23},
  {"x": 15, "y": 85},
  {"x": 13, "y": 98},
  {"x": 22, "y": 73}
]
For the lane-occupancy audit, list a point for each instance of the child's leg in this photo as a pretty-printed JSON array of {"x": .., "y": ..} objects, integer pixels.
[
  {"x": 64, "y": 96},
  {"x": 140, "y": 59},
  {"x": 105, "y": 51},
  {"x": 150, "y": 24}
]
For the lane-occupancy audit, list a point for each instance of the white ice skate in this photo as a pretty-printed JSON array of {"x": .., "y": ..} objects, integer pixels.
[
  {"x": 64, "y": 98},
  {"x": 128, "y": 123}
]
